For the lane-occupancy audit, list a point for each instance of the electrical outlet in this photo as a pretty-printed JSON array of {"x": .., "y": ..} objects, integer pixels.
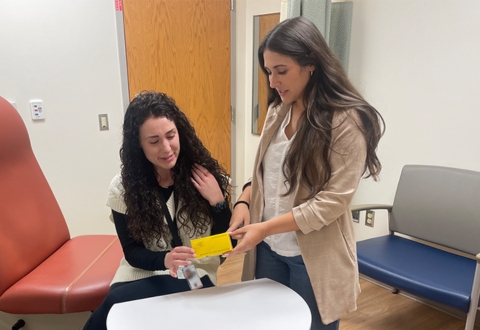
[
  {"x": 37, "y": 110},
  {"x": 370, "y": 218},
  {"x": 356, "y": 216}
]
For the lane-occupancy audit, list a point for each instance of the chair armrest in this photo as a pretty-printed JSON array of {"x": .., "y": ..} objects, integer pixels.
[{"x": 364, "y": 207}]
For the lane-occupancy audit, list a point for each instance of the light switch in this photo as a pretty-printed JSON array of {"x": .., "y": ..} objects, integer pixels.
[{"x": 103, "y": 122}]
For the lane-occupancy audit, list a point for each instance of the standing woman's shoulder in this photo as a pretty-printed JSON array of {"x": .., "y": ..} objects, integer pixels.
[
  {"x": 349, "y": 117},
  {"x": 274, "y": 111}
]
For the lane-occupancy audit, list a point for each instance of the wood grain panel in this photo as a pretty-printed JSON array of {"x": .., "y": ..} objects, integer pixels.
[
  {"x": 182, "y": 48},
  {"x": 266, "y": 23}
]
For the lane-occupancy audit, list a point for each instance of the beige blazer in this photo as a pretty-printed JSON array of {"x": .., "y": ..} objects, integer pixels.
[{"x": 326, "y": 236}]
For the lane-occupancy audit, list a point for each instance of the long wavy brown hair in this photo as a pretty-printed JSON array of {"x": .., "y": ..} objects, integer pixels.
[
  {"x": 328, "y": 90},
  {"x": 142, "y": 194}
]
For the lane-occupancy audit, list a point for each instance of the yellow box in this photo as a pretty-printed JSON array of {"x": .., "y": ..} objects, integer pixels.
[{"x": 213, "y": 245}]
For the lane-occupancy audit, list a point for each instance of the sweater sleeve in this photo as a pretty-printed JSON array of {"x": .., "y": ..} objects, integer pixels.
[
  {"x": 136, "y": 254},
  {"x": 221, "y": 221},
  {"x": 347, "y": 160}
]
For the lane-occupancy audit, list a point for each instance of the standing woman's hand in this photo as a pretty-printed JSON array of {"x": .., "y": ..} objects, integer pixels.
[
  {"x": 240, "y": 217},
  {"x": 206, "y": 185},
  {"x": 178, "y": 257},
  {"x": 241, "y": 210},
  {"x": 253, "y": 234},
  {"x": 249, "y": 237}
]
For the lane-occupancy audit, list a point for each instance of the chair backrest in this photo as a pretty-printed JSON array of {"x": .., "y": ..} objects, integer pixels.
[
  {"x": 32, "y": 226},
  {"x": 440, "y": 205}
]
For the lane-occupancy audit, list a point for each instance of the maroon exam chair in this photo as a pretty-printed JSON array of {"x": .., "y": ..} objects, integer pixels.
[{"x": 42, "y": 269}]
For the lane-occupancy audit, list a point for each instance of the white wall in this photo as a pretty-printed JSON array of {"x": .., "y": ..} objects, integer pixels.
[
  {"x": 415, "y": 60},
  {"x": 65, "y": 53}
]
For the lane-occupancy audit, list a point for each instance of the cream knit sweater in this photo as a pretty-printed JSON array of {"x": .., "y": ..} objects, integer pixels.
[{"x": 126, "y": 272}]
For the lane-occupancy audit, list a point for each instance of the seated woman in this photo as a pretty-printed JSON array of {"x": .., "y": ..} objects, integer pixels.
[{"x": 170, "y": 190}]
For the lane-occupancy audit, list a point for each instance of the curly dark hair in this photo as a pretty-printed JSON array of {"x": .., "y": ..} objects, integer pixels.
[
  {"x": 328, "y": 90},
  {"x": 142, "y": 194}
]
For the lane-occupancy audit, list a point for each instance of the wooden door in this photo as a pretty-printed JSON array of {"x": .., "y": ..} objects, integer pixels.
[
  {"x": 266, "y": 23},
  {"x": 182, "y": 48}
]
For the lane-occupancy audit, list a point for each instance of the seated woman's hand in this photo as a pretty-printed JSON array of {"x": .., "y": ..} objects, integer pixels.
[
  {"x": 178, "y": 257},
  {"x": 206, "y": 185}
]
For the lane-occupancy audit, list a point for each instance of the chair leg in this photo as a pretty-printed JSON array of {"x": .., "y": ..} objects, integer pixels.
[
  {"x": 395, "y": 290},
  {"x": 472, "y": 311},
  {"x": 470, "y": 323},
  {"x": 20, "y": 324}
]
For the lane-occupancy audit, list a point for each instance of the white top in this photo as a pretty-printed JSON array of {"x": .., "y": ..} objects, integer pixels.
[
  {"x": 259, "y": 304},
  {"x": 284, "y": 244}
]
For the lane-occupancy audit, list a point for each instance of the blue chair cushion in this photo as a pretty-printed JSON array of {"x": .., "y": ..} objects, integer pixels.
[{"x": 418, "y": 269}]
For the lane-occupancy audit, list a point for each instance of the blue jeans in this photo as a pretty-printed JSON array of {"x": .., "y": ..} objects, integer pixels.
[{"x": 291, "y": 272}]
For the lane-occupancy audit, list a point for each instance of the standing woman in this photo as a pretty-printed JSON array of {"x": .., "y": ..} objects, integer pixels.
[
  {"x": 170, "y": 190},
  {"x": 319, "y": 138}
]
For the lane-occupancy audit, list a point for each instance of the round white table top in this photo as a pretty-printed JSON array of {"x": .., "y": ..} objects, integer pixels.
[{"x": 258, "y": 304}]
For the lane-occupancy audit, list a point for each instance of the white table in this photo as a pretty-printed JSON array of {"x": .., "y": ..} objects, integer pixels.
[{"x": 258, "y": 304}]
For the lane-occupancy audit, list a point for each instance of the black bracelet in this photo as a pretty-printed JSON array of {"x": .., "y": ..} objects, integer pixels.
[
  {"x": 241, "y": 202},
  {"x": 248, "y": 184}
]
